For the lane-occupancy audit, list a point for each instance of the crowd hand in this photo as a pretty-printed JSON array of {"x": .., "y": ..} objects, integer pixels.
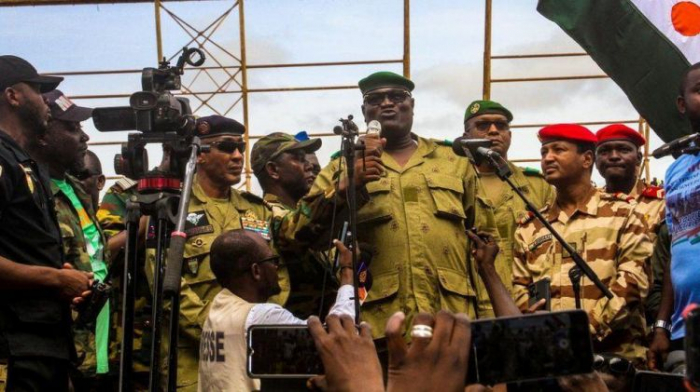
[
  {"x": 484, "y": 249},
  {"x": 346, "y": 355},
  {"x": 73, "y": 284},
  {"x": 429, "y": 364},
  {"x": 374, "y": 146},
  {"x": 591, "y": 382},
  {"x": 658, "y": 349},
  {"x": 536, "y": 307}
]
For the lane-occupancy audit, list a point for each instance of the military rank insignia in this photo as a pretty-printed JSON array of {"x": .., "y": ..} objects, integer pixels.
[
  {"x": 28, "y": 175},
  {"x": 250, "y": 222}
]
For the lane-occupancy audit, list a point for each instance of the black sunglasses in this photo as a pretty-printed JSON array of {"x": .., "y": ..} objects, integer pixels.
[
  {"x": 85, "y": 174},
  {"x": 484, "y": 126},
  {"x": 229, "y": 146},
  {"x": 395, "y": 96},
  {"x": 272, "y": 259},
  {"x": 612, "y": 364}
]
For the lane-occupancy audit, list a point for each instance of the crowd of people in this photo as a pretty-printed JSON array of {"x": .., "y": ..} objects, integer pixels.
[{"x": 446, "y": 241}]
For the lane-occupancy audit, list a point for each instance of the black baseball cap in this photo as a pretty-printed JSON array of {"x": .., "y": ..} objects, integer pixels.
[
  {"x": 62, "y": 108},
  {"x": 15, "y": 70}
]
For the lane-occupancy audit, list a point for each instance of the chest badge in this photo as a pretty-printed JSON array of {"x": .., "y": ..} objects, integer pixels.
[
  {"x": 250, "y": 222},
  {"x": 194, "y": 218}
]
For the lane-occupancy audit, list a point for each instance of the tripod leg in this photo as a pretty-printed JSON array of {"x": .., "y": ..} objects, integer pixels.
[
  {"x": 126, "y": 368},
  {"x": 161, "y": 235}
]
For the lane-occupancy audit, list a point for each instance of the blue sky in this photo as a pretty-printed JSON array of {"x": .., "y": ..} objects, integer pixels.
[{"x": 446, "y": 63}]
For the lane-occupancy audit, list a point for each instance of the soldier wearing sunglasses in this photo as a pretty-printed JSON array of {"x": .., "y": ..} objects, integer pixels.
[
  {"x": 216, "y": 207},
  {"x": 490, "y": 120}
]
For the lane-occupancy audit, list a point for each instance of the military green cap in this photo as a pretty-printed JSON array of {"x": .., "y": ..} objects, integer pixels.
[
  {"x": 384, "y": 79},
  {"x": 271, "y": 146},
  {"x": 477, "y": 108}
]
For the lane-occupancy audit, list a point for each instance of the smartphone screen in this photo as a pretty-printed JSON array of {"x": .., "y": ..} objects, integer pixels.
[
  {"x": 282, "y": 351},
  {"x": 530, "y": 347},
  {"x": 645, "y": 381}
]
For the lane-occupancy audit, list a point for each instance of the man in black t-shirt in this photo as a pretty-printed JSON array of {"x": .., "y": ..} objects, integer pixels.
[{"x": 37, "y": 287}]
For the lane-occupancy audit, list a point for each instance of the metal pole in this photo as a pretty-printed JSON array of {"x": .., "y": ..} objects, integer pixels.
[
  {"x": 244, "y": 93},
  {"x": 487, "y": 52},
  {"x": 406, "y": 41},
  {"x": 159, "y": 37}
]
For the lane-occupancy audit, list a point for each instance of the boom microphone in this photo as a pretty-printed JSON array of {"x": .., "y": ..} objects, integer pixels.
[{"x": 675, "y": 146}]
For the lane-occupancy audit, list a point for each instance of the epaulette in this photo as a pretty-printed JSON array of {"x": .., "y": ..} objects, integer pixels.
[
  {"x": 445, "y": 142},
  {"x": 531, "y": 171},
  {"x": 336, "y": 155},
  {"x": 620, "y": 196},
  {"x": 253, "y": 198},
  {"x": 526, "y": 217},
  {"x": 654, "y": 192},
  {"x": 124, "y": 184}
]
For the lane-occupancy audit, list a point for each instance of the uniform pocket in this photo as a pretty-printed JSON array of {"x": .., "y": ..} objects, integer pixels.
[
  {"x": 195, "y": 265},
  {"x": 455, "y": 290},
  {"x": 378, "y": 208},
  {"x": 447, "y": 193},
  {"x": 384, "y": 286}
]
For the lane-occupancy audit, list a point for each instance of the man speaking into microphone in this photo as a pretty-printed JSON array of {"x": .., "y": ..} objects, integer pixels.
[{"x": 414, "y": 214}]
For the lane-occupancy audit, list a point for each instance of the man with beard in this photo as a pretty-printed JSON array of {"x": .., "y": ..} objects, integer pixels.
[
  {"x": 619, "y": 161},
  {"x": 415, "y": 203},
  {"x": 280, "y": 165},
  {"x": 61, "y": 149},
  {"x": 490, "y": 120},
  {"x": 246, "y": 268},
  {"x": 38, "y": 286},
  {"x": 215, "y": 208},
  {"x": 608, "y": 233}
]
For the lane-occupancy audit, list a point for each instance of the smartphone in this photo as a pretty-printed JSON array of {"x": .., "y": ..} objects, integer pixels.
[
  {"x": 342, "y": 237},
  {"x": 530, "y": 347},
  {"x": 692, "y": 347},
  {"x": 645, "y": 381},
  {"x": 282, "y": 351},
  {"x": 539, "y": 290}
]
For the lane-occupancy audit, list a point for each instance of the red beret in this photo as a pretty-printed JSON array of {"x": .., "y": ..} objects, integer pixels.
[
  {"x": 570, "y": 132},
  {"x": 620, "y": 132}
]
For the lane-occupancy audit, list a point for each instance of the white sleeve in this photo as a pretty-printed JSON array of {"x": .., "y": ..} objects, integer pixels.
[
  {"x": 344, "y": 303},
  {"x": 271, "y": 314}
]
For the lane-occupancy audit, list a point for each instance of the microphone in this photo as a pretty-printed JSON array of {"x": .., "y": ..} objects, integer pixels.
[
  {"x": 468, "y": 148},
  {"x": 675, "y": 146},
  {"x": 374, "y": 128}
]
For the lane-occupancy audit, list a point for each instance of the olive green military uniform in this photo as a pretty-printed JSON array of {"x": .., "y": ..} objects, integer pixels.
[
  {"x": 76, "y": 253},
  {"x": 508, "y": 211},
  {"x": 112, "y": 215},
  {"x": 308, "y": 288},
  {"x": 610, "y": 235},
  {"x": 207, "y": 219},
  {"x": 414, "y": 223}
]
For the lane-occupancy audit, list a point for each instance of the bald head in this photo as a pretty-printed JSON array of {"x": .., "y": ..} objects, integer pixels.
[
  {"x": 92, "y": 162},
  {"x": 233, "y": 252}
]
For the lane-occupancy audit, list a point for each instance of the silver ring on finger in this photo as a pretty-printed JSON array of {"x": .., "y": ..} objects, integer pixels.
[{"x": 421, "y": 331}]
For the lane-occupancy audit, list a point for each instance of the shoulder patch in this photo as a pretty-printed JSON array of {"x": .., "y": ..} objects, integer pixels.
[
  {"x": 617, "y": 196},
  {"x": 124, "y": 184},
  {"x": 531, "y": 171},
  {"x": 445, "y": 142},
  {"x": 654, "y": 192},
  {"x": 336, "y": 155},
  {"x": 525, "y": 217}
]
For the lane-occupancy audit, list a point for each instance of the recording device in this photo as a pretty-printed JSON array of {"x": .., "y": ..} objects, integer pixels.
[
  {"x": 676, "y": 147},
  {"x": 91, "y": 307},
  {"x": 158, "y": 115},
  {"x": 646, "y": 381},
  {"x": 692, "y": 347},
  {"x": 374, "y": 128},
  {"x": 539, "y": 290},
  {"x": 343, "y": 237},
  {"x": 530, "y": 347}
]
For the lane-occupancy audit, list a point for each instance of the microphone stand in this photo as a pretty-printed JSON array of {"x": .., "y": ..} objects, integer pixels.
[
  {"x": 349, "y": 132},
  {"x": 504, "y": 172}
]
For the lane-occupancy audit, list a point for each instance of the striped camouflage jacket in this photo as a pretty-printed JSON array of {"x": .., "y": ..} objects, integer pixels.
[{"x": 611, "y": 237}]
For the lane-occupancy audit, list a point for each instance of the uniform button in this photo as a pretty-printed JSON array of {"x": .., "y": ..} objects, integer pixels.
[
  {"x": 436, "y": 170},
  {"x": 394, "y": 226},
  {"x": 424, "y": 228},
  {"x": 428, "y": 271},
  {"x": 445, "y": 251}
]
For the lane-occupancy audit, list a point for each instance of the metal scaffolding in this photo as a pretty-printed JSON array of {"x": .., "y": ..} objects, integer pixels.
[
  {"x": 642, "y": 125},
  {"x": 235, "y": 80}
]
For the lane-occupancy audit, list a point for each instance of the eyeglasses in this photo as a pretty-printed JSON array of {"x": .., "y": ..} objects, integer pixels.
[
  {"x": 229, "y": 146},
  {"x": 611, "y": 364},
  {"x": 484, "y": 126},
  {"x": 395, "y": 96},
  {"x": 85, "y": 174},
  {"x": 272, "y": 259}
]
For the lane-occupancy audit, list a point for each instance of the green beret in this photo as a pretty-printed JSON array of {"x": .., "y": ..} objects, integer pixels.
[
  {"x": 384, "y": 79},
  {"x": 478, "y": 108}
]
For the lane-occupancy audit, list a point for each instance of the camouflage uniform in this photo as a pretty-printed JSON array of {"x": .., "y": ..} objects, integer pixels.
[
  {"x": 414, "y": 223},
  {"x": 76, "y": 253},
  {"x": 651, "y": 204},
  {"x": 611, "y": 236},
  {"x": 112, "y": 215},
  {"x": 508, "y": 211},
  {"x": 205, "y": 222},
  {"x": 301, "y": 276}
]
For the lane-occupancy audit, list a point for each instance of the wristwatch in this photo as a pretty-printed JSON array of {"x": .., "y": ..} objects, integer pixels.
[{"x": 663, "y": 324}]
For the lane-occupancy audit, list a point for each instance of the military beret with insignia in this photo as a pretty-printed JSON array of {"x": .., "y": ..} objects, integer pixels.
[
  {"x": 211, "y": 126},
  {"x": 480, "y": 107},
  {"x": 620, "y": 132},
  {"x": 271, "y": 146},
  {"x": 570, "y": 132},
  {"x": 384, "y": 79}
]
